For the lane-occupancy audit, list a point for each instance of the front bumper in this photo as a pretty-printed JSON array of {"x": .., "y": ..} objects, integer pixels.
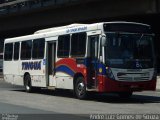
[{"x": 108, "y": 85}]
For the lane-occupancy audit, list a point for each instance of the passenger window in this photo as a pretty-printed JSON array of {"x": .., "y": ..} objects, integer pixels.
[
  {"x": 16, "y": 51},
  {"x": 8, "y": 51},
  {"x": 63, "y": 46},
  {"x": 26, "y": 49},
  {"x": 38, "y": 48},
  {"x": 78, "y": 44}
]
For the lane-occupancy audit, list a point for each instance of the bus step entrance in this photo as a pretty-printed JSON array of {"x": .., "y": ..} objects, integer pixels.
[{"x": 92, "y": 83}]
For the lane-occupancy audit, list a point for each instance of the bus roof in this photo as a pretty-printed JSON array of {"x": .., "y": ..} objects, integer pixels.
[
  {"x": 68, "y": 29},
  {"x": 126, "y": 23},
  {"x": 59, "y": 28},
  {"x": 77, "y": 24},
  {"x": 55, "y": 32}
]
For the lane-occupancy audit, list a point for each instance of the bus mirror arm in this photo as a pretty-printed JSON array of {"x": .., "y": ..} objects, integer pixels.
[{"x": 103, "y": 40}]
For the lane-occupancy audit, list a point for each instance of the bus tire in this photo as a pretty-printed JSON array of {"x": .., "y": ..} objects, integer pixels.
[
  {"x": 125, "y": 94},
  {"x": 27, "y": 83},
  {"x": 80, "y": 88}
]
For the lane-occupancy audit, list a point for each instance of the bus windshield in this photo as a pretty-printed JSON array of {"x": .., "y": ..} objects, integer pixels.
[{"x": 129, "y": 50}]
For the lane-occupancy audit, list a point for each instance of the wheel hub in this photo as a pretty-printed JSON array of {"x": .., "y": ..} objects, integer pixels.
[
  {"x": 80, "y": 88},
  {"x": 27, "y": 87}
]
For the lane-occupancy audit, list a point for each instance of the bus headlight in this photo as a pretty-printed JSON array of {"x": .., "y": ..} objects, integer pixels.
[{"x": 109, "y": 73}]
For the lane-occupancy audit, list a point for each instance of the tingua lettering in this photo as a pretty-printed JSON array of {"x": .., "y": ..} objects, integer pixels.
[{"x": 31, "y": 65}]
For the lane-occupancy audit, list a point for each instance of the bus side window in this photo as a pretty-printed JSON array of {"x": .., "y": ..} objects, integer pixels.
[
  {"x": 63, "y": 46},
  {"x": 26, "y": 48},
  {"x": 38, "y": 48},
  {"x": 78, "y": 44},
  {"x": 16, "y": 51},
  {"x": 8, "y": 53}
]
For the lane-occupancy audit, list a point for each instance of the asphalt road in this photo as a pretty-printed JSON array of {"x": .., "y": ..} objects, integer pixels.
[{"x": 61, "y": 104}]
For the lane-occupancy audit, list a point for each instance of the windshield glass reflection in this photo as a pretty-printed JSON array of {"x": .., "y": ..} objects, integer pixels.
[{"x": 123, "y": 49}]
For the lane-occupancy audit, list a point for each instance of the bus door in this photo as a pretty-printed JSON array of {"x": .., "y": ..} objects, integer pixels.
[
  {"x": 93, "y": 56},
  {"x": 51, "y": 58}
]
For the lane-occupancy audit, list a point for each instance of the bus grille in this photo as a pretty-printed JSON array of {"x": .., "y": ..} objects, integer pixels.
[{"x": 130, "y": 79}]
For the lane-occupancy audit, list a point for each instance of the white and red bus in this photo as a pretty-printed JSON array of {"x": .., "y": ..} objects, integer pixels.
[{"x": 104, "y": 57}]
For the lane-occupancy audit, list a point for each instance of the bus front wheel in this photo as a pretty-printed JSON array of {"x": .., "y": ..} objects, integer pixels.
[
  {"x": 80, "y": 88},
  {"x": 27, "y": 83}
]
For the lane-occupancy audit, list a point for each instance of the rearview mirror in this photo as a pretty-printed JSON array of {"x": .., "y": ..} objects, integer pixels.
[{"x": 103, "y": 40}]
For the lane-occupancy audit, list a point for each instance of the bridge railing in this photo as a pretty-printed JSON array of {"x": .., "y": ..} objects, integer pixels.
[{"x": 21, "y": 5}]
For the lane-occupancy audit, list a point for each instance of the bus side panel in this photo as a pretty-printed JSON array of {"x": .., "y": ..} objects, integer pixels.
[
  {"x": 64, "y": 81},
  {"x": 64, "y": 74},
  {"x": 65, "y": 71},
  {"x": 38, "y": 80},
  {"x": 11, "y": 74},
  {"x": 18, "y": 80},
  {"x": 36, "y": 69},
  {"x": 8, "y": 77}
]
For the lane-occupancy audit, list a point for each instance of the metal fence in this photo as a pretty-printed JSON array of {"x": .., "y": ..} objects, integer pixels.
[{"x": 11, "y": 6}]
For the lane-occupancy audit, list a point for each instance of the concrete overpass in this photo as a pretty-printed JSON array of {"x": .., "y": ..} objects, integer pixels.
[
  {"x": 18, "y": 20},
  {"x": 23, "y": 17}
]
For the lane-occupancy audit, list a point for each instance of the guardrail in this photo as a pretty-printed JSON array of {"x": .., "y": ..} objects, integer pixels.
[{"x": 21, "y": 5}]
